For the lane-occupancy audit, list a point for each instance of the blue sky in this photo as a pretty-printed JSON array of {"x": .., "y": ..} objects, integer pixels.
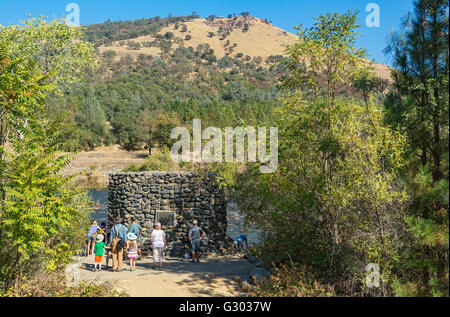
[{"x": 283, "y": 13}]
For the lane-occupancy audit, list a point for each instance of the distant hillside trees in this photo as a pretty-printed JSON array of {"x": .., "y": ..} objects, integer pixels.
[{"x": 91, "y": 119}]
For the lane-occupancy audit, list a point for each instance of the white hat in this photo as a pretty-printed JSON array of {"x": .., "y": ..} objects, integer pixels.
[
  {"x": 99, "y": 238},
  {"x": 131, "y": 236}
]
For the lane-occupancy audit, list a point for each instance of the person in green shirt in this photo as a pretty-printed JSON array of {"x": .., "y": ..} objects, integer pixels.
[{"x": 98, "y": 250}]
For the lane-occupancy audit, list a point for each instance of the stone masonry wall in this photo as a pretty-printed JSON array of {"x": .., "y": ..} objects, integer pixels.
[{"x": 175, "y": 199}]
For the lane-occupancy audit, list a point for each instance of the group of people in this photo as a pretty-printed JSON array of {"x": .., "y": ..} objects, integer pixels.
[{"x": 118, "y": 239}]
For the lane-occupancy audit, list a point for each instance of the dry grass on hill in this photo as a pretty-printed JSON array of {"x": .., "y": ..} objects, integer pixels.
[
  {"x": 261, "y": 39},
  {"x": 95, "y": 165}
]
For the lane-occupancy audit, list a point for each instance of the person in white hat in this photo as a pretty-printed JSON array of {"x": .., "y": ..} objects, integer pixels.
[
  {"x": 99, "y": 248},
  {"x": 132, "y": 250}
]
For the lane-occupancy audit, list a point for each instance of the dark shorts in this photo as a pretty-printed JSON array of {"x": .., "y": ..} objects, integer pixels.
[{"x": 195, "y": 245}]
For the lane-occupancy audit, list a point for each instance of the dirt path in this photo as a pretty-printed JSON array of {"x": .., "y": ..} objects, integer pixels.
[{"x": 214, "y": 276}]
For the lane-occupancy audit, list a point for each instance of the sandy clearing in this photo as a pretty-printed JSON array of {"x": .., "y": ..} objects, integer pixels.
[{"x": 215, "y": 276}]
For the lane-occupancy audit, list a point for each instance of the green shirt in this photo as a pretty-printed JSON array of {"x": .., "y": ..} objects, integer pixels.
[{"x": 98, "y": 249}]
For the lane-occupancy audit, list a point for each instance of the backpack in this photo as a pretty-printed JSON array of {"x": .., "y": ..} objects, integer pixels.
[
  {"x": 120, "y": 244},
  {"x": 117, "y": 243}
]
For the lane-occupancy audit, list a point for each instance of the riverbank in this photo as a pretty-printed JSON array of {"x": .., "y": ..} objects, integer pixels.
[{"x": 95, "y": 165}]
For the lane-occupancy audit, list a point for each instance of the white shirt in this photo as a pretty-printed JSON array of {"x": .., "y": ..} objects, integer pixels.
[{"x": 158, "y": 238}]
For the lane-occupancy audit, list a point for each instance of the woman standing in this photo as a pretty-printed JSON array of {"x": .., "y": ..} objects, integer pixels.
[
  {"x": 132, "y": 250},
  {"x": 159, "y": 243}
]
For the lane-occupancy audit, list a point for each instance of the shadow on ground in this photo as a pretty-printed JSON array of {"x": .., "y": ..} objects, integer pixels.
[{"x": 213, "y": 276}]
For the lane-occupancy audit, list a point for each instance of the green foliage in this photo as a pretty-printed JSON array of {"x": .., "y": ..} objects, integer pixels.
[
  {"x": 21, "y": 91},
  {"x": 51, "y": 60},
  {"x": 54, "y": 46},
  {"x": 41, "y": 219},
  {"x": 327, "y": 51},
  {"x": 37, "y": 208},
  {"x": 418, "y": 105},
  {"x": 54, "y": 285},
  {"x": 333, "y": 204},
  {"x": 90, "y": 119},
  {"x": 108, "y": 32},
  {"x": 159, "y": 161}
]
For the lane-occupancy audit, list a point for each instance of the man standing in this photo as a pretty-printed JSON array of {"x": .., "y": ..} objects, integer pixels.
[
  {"x": 118, "y": 240},
  {"x": 195, "y": 235}
]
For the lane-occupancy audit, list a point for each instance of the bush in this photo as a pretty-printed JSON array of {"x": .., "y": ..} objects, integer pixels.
[
  {"x": 55, "y": 286},
  {"x": 42, "y": 239},
  {"x": 168, "y": 35},
  {"x": 159, "y": 161},
  {"x": 291, "y": 281}
]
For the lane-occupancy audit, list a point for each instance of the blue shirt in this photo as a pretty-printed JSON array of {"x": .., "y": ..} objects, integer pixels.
[
  {"x": 242, "y": 237},
  {"x": 118, "y": 231},
  {"x": 196, "y": 233},
  {"x": 135, "y": 228},
  {"x": 92, "y": 230}
]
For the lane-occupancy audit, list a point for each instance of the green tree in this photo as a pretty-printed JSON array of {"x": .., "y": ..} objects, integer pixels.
[
  {"x": 37, "y": 207},
  {"x": 55, "y": 46},
  {"x": 418, "y": 105},
  {"x": 147, "y": 125},
  {"x": 126, "y": 128},
  {"x": 35, "y": 204},
  {"x": 325, "y": 57},
  {"x": 91, "y": 118},
  {"x": 367, "y": 84},
  {"x": 164, "y": 124},
  {"x": 334, "y": 204},
  {"x": 420, "y": 53}
]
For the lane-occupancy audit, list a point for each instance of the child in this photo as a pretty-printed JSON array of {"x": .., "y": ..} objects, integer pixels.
[
  {"x": 91, "y": 237},
  {"x": 132, "y": 250},
  {"x": 98, "y": 250}
]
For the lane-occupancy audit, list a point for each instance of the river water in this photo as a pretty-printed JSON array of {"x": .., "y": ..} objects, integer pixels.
[{"x": 235, "y": 225}]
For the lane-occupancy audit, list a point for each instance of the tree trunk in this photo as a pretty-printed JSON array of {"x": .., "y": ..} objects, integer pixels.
[
  {"x": 437, "y": 175},
  {"x": 149, "y": 144}
]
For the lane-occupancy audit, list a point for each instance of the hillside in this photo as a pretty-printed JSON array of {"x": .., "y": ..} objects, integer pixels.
[
  {"x": 157, "y": 73},
  {"x": 226, "y": 36},
  {"x": 244, "y": 38}
]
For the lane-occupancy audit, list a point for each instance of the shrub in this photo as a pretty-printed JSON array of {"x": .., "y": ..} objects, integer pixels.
[
  {"x": 159, "y": 161},
  {"x": 291, "y": 281},
  {"x": 55, "y": 286}
]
